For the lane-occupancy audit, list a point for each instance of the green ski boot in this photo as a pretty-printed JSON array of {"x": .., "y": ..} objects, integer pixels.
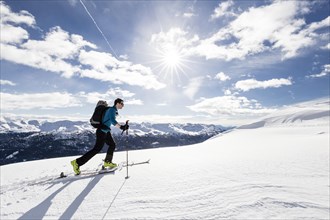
[
  {"x": 109, "y": 165},
  {"x": 75, "y": 166}
]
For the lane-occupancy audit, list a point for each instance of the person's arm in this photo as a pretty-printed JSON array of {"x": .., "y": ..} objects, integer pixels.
[{"x": 113, "y": 119}]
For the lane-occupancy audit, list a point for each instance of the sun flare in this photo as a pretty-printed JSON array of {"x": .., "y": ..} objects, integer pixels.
[
  {"x": 171, "y": 57},
  {"x": 171, "y": 62}
]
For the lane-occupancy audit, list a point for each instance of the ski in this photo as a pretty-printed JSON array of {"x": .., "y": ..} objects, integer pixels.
[
  {"x": 86, "y": 174},
  {"x": 109, "y": 170},
  {"x": 91, "y": 173},
  {"x": 136, "y": 163},
  {"x": 99, "y": 171}
]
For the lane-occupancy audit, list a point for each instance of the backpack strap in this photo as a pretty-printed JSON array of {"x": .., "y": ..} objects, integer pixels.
[{"x": 102, "y": 123}]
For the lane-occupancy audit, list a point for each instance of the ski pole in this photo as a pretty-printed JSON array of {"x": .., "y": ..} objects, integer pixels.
[
  {"x": 126, "y": 165},
  {"x": 126, "y": 151}
]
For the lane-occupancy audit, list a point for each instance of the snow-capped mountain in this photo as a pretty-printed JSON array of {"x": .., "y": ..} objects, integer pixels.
[
  {"x": 259, "y": 172},
  {"x": 21, "y": 125},
  {"x": 24, "y": 140}
]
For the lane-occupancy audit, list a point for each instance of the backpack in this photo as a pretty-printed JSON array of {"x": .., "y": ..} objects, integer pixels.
[{"x": 96, "y": 119}]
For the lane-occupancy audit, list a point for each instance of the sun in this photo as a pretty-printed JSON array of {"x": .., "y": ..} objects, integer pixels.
[
  {"x": 171, "y": 57},
  {"x": 171, "y": 62}
]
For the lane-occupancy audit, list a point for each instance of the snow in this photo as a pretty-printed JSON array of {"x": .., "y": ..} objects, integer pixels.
[
  {"x": 24, "y": 124},
  {"x": 260, "y": 172}
]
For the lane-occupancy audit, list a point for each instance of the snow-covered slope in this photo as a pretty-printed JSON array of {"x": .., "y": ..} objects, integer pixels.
[
  {"x": 315, "y": 112},
  {"x": 273, "y": 172}
]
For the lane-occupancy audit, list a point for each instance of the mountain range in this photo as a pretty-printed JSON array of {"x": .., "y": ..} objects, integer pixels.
[{"x": 25, "y": 139}]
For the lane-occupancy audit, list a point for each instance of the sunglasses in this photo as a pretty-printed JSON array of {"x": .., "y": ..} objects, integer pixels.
[{"x": 121, "y": 103}]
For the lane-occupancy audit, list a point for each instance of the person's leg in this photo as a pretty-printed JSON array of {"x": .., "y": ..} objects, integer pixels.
[
  {"x": 100, "y": 139},
  {"x": 112, "y": 146}
]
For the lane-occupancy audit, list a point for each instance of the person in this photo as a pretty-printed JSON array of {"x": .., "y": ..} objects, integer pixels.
[{"x": 103, "y": 135}]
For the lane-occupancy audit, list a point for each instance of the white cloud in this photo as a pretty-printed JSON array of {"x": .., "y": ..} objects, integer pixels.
[
  {"x": 277, "y": 26},
  {"x": 109, "y": 96},
  {"x": 50, "y": 54},
  {"x": 105, "y": 67},
  {"x": 58, "y": 43},
  {"x": 318, "y": 25},
  {"x": 222, "y": 76},
  {"x": 58, "y": 50},
  {"x": 223, "y": 10},
  {"x": 193, "y": 87},
  {"x": 325, "y": 72},
  {"x": 190, "y": 11},
  {"x": 11, "y": 34},
  {"x": 174, "y": 37},
  {"x": 227, "y": 92},
  {"x": 38, "y": 101},
  {"x": 188, "y": 15},
  {"x": 124, "y": 57},
  {"x": 133, "y": 102},
  {"x": 73, "y": 2},
  {"x": 7, "y": 82},
  {"x": 246, "y": 85},
  {"x": 229, "y": 105},
  {"x": 57, "y": 100},
  {"x": 22, "y": 17},
  {"x": 162, "y": 104},
  {"x": 326, "y": 47},
  {"x": 120, "y": 93},
  {"x": 37, "y": 60}
]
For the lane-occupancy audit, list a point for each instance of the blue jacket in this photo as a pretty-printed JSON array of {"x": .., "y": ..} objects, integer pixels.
[{"x": 110, "y": 118}]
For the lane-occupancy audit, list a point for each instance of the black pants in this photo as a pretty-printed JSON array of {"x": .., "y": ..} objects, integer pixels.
[{"x": 101, "y": 138}]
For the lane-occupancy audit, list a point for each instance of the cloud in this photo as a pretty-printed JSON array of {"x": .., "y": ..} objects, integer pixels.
[
  {"x": 7, "y": 82},
  {"x": 64, "y": 53},
  {"x": 105, "y": 67},
  {"x": 174, "y": 37},
  {"x": 246, "y": 85},
  {"x": 10, "y": 33},
  {"x": 222, "y": 76},
  {"x": 28, "y": 101},
  {"x": 118, "y": 92},
  {"x": 223, "y": 10},
  {"x": 58, "y": 43},
  {"x": 325, "y": 72},
  {"x": 109, "y": 96},
  {"x": 277, "y": 26},
  {"x": 73, "y": 2},
  {"x": 229, "y": 105},
  {"x": 57, "y": 100},
  {"x": 188, "y": 15},
  {"x": 22, "y": 17},
  {"x": 133, "y": 102},
  {"x": 193, "y": 87},
  {"x": 326, "y": 47},
  {"x": 50, "y": 54}
]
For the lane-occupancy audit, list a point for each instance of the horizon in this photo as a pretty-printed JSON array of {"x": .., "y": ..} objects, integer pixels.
[
  {"x": 221, "y": 62},
  {"x": 170, "y": 120}
]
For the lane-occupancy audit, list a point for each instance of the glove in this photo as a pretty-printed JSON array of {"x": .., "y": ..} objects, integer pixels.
[{"x": 124, "y": 127}]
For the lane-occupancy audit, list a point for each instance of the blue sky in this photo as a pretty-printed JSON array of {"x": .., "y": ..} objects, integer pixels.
[{"x": 223, "y": 62}]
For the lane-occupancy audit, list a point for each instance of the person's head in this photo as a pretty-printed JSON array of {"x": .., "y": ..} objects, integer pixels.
[{"x": 119, "y": 103}]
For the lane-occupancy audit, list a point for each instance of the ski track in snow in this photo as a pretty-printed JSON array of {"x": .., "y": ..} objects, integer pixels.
[{"x": 279, "y": 172}]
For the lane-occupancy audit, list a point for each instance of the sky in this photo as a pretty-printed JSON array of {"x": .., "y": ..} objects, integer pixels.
[{"x": 220, "y": 62}]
